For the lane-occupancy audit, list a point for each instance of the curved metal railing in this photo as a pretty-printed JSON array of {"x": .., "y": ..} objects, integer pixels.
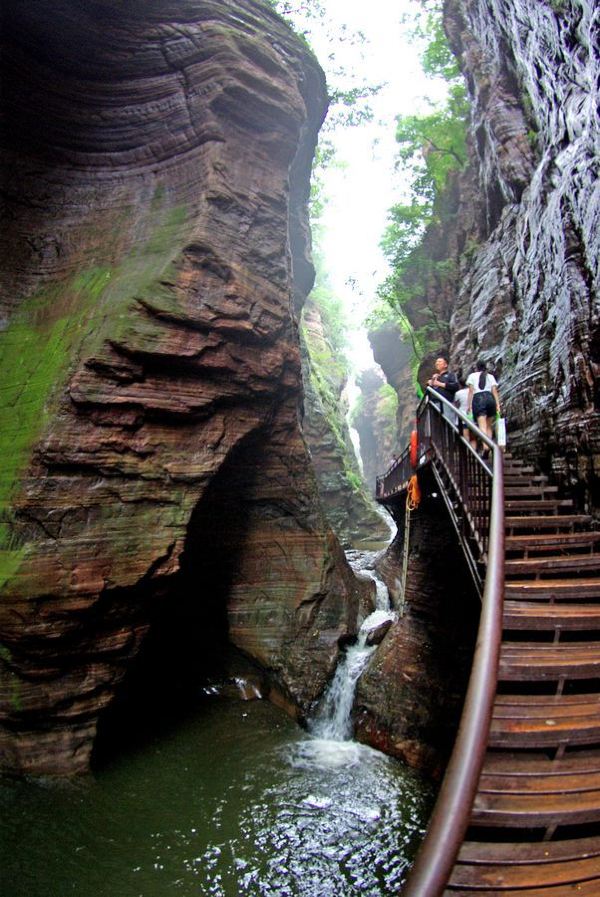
[{"x": 450, "y": 819}]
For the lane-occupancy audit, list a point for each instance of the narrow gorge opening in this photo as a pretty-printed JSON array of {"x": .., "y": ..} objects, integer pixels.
[{"x": 178, "y": 488}]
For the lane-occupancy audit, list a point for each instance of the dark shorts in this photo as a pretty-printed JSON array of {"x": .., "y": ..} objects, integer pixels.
[{"x": 484, "y": 404}]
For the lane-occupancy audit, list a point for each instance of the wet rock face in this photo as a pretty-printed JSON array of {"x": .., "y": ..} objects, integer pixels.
[
  {"x": 157, "y": 166},
  {"x": 394, "y": 355},
  {"x": 529, "y": 299},
  {"x": 347, "y": 504},
  {"x": 409, "y": 700}
]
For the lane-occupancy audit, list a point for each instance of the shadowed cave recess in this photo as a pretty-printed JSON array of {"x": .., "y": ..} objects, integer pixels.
[{"x": 187, "y": 652}]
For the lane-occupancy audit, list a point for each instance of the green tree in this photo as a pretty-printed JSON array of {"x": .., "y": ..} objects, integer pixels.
[
  {"x": 431, "y": 147},
  {"x": 434, "y": 145},
  {"x": 348, "y": 95}
]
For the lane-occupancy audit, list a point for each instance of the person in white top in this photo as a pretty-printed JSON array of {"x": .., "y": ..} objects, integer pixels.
[
  {"x": 461, "y": 401},
  {"x": 484, "y": 399}
]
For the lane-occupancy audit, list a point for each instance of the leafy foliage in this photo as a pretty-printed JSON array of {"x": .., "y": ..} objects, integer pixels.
[
  {"x": 348, "y": 96},
  {"x": 437, "y": 59},
  {"x": 330, "y": 357},
  {"x": 387, "y": 404},
  {"x": 435, "y": 144},
  {"x": 430, "y": 147}
]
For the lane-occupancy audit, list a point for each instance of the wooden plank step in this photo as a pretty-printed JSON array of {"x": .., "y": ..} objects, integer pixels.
[
  {"x": 546, "y": 521},
  {"x": 517, "y": 477},
  {"x": 538, "y": 661},
  {"x": 518, "y": 763},
  {"x": 526, "y": 875},
  {"x": 541, "y": 701},
  {"x": 543, "y": 616},
  {"x": 564, "y": 562},
  {"x": 588, "y": 587},
  {"x": 536, "y": 810},
  {"x": 511, "y": 483},
  {"x": 589, "y": 888},
  {"x": 533, "y": 504},
  {"x": 529, "y": 852},
  {"x": 539, "y": 784},
  {"x": 523, "y": 473},
  {"x": 551, "y": 541},
  {"x": 515, "y": 490},
  {"x": 548, "y": 733},
  {"x": 533, "y": 721}
]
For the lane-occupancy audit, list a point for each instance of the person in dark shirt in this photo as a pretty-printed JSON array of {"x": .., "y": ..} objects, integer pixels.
[{"x": 444, "y": 382}]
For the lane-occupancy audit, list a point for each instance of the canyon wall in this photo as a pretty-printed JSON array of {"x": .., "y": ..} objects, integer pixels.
[
  {"x": 375, "y": 419},
  {"x": 529, "y": 299},
  {"x": 346, "y": 496},
  {"x": 409, "y": 700},
  {"x": 394, "y": 354},
  {"x": 156, "y": 173},
  {"x": 522, "y": 226}
]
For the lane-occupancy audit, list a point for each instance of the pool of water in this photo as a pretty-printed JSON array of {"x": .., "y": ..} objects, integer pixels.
[{"x": 234, "y": 800}]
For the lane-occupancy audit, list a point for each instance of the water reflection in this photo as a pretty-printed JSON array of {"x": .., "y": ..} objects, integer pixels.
[{"x": 237, "y": 801}]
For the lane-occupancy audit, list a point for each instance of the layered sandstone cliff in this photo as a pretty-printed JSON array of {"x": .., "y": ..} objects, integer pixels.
[
  {"x": 156, "y": 172},
  {"x": 529, "y": 301}
]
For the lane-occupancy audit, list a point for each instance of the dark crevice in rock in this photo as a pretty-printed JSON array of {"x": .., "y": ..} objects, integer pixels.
[{"x": 187, "y": 644}]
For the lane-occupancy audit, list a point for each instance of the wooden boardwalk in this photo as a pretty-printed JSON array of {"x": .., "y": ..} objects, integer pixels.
[
  {"x": 533, "y": 826},
  {"x": 535, "y": 823}
]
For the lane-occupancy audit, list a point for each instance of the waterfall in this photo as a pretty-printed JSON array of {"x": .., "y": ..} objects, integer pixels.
[
  {"x": 350, "y": 394},
  {"x": 332, "y": 720}
]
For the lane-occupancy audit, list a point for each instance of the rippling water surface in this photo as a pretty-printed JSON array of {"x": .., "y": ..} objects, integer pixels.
[{"x": 235, "y": 801}]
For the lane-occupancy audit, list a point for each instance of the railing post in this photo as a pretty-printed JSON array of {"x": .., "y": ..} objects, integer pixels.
[{"x": 464, "y": 486}]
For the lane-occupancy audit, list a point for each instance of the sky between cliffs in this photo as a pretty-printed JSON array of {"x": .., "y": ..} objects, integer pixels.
[{"x": 363, "y": 184}]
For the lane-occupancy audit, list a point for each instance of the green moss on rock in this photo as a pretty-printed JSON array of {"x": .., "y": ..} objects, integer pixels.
[{"x": 43, "y": 342}]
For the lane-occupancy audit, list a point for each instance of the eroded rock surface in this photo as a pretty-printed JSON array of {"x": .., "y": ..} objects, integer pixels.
[
  {"x": 521, "y": 231},
  {"x": 530, "y": 300},
  {"x": 156, "y": 173},
  {"x": 394, "y": 356},
  {"x": 409, "y": 700}
]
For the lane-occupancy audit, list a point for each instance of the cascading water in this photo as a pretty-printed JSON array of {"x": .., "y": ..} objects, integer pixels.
[
  {"x": 237, "y": 801},
  {"x": 333, "y": 718},
  {"x": 332, "y": 721}
]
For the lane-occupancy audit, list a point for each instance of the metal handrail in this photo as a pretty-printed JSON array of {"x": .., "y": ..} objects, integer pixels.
[
  {"x": 450, "y": 819},
  {"x": 432, "y": 394},
  {"x": 464, "y": 478}
]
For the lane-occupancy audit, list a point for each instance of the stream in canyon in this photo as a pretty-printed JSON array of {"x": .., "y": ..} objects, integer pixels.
[{"x": 234, "y": 800}]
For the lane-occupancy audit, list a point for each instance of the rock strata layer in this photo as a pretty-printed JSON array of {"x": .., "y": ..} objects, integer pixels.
[
  {"x": 530, "y": 300},
  {"x": 156, "y": 169}
]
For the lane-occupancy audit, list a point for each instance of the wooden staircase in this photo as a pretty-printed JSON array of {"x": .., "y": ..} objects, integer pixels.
[{"x": 535, "y": 823}]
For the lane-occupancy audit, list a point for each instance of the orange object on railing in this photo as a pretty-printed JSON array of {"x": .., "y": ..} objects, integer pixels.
[
  {"x": 414, "y": 449},
  {"x": 413, "y": 495}
]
